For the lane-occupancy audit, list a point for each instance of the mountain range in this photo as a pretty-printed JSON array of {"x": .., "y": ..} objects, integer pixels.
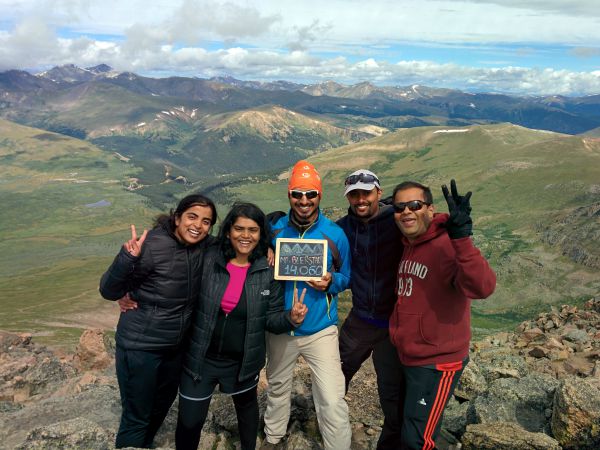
[
  {"x": 86, "y": 152},
  {"x": 200, "y": 131},
  {"x": 364, "y": 100}
]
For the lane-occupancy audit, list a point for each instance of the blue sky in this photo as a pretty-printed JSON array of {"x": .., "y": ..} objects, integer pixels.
[{"x": 538, "y": 47}]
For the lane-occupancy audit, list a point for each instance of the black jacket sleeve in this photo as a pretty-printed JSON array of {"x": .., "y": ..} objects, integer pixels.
[{"x": 119, "y": 278}]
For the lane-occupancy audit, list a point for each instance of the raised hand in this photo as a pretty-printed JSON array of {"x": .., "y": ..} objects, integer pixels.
[
  {"x": 134, "y": 245},
  {"x": 299, "y": 309},
  {"x": 126, "y": 303},
  {"x": 459, "y": 224}
]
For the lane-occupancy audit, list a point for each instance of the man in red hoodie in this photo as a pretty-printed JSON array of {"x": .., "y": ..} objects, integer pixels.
[{"x": 439, "y": 273}]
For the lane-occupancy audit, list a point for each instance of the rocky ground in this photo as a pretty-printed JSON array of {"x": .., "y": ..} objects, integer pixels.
[{"x": 535, "y": 388}]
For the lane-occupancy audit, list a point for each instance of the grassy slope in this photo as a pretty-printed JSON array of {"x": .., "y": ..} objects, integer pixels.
[
  {"x": 53, "y": 246},
  {"x": 519, "y": 177}
]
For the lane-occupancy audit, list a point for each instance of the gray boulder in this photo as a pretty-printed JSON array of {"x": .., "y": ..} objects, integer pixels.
[
  {"x": 454, "y": 419},
  {"x": 496, "y": 365},
  {"x": 505, "y": 436},
  {"x": 471, "y": 383},
  {"x": 301, "y": 441},
  {"x": 73, "y": 434},
  {"x": 99, "y": 404},
  {"x": 576, "y": 418},
  {"x": 362, "y": 437},
  {"x": 526, "y": 401}
]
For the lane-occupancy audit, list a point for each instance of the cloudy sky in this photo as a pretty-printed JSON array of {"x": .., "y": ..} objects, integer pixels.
[{"x": 513, "y": 46}]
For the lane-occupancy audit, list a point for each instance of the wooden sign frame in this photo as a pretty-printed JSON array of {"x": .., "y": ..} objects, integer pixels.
[{"x": 319, "y": 270}]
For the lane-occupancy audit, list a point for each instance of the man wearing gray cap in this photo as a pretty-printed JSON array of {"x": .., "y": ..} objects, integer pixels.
[{"x": 376, "y": 247}]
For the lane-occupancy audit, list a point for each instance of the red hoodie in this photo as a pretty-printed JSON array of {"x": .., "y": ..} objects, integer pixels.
[{"x": 437, "y": 278}]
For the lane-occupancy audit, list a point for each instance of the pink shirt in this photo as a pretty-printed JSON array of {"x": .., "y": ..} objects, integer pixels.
[{"x": 232, "y": 294}]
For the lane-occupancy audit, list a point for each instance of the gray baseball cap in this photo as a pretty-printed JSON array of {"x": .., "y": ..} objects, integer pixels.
[{"x": 361, "y": 179}]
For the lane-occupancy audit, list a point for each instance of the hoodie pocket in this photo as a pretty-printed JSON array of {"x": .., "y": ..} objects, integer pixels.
[{"x": 409, "y": 335}]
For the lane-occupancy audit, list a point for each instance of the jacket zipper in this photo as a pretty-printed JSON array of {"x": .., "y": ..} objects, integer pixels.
[
  {"x": 248, "y": 313},
  {"x": 222, "y": 335},
  {"x": 189, "y": 294}
]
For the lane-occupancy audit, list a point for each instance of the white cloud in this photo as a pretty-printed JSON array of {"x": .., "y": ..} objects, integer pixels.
[
  {"x": 30, "y": 43},
  {"x": 308, "y": 34},
  {"x": 197, "y": 19},
  {"x": 562, "y": 7},
  {"x": 312, "y": 40}
]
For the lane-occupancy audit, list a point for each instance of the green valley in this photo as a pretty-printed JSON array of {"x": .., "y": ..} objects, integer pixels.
[
  {"x": 535, "y": 202},
  {"x": 65, "y": 211},
  {"x": 66, "y": 206}
]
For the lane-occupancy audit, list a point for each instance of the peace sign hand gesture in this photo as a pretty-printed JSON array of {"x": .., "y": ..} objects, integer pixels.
[
  {"x": 459, "y": 224},
  {"x": 299, "y": 309},
  {"x": 134, "y": 245}
]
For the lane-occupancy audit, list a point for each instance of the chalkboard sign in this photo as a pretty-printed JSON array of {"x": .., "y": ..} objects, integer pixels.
[{"x": 300, "y": 259}]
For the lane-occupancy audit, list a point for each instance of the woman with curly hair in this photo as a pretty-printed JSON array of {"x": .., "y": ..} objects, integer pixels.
[{"x": 239, "y": 300}]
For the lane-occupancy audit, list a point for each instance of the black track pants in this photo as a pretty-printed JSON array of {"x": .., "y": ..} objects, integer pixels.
[
  {"x": 358, "y": 340},
  {"x": 192, "y": 415},
  {"x": 148, "y": 382},
  {"x": 426, "y": 392}
]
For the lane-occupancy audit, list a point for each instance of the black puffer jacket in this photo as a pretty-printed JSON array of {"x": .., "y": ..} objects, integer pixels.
[
  {"x": 376, "y": 251},
  {"x": 164, "y": 280},
  {"x": 265, "y": 306}
]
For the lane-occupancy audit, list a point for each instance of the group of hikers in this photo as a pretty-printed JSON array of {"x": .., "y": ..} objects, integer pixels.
[{"x": 199, "y": 311}]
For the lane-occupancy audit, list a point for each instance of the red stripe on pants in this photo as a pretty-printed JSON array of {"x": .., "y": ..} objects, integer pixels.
[{"x": 438, "y": 408}]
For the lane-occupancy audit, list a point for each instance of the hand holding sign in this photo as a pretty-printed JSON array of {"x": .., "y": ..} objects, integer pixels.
[
  {"x": 300, "y": 259},
  {"x": 322, "y": 284},
  {"x": 134, "y": 245},
  {"x": 299, "y": 309}
]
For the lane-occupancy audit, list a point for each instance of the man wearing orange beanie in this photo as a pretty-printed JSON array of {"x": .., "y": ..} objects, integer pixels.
[{"x": 317, "y": 338}]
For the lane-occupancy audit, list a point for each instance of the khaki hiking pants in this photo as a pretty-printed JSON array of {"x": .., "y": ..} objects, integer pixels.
[{"x": 321, "y": 352}]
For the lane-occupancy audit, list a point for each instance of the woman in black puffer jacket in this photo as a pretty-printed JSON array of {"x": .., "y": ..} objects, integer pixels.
[
  {"x": 239, "y": 300},
  {"x": 161, "y": 270}
]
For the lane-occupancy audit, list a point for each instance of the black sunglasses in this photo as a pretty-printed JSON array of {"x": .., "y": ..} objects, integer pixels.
[
  {"x": 299, "y": 194},
  {"x": 413, "y": 205},
  {"x": 364, "y": 177}
]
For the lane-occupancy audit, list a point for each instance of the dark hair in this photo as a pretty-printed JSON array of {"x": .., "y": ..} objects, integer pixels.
[
  {"x": 249, "y": 211},
  {"x": 274, "y": 216},
  {"x": 168, "y": 220},
  {"x": 427, "y": 195}
]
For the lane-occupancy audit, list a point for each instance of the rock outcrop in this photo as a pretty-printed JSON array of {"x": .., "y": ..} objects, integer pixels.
[
  {"x": 28, "y": 370},
  {"x": 536, "y": 388},
  {"x": 506, "y": 436},
  {"x": 576, "y": 418},
  {"x": 543, "y": 379}
]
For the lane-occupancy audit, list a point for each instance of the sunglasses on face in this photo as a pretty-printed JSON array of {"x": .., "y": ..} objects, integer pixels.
[
  {"x": 299, "y": 194},
  {"x": 413, "y": 205},
  {"x": 364, "y": 177}
]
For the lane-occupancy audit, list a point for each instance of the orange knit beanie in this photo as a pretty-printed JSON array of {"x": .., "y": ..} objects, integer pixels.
[{"x": 305, "y": 176}]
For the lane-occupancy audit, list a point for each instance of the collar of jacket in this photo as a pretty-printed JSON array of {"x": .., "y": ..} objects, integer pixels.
[
  {"x": 259, "y": 264},
  {"x": 302, "y": 228}
]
